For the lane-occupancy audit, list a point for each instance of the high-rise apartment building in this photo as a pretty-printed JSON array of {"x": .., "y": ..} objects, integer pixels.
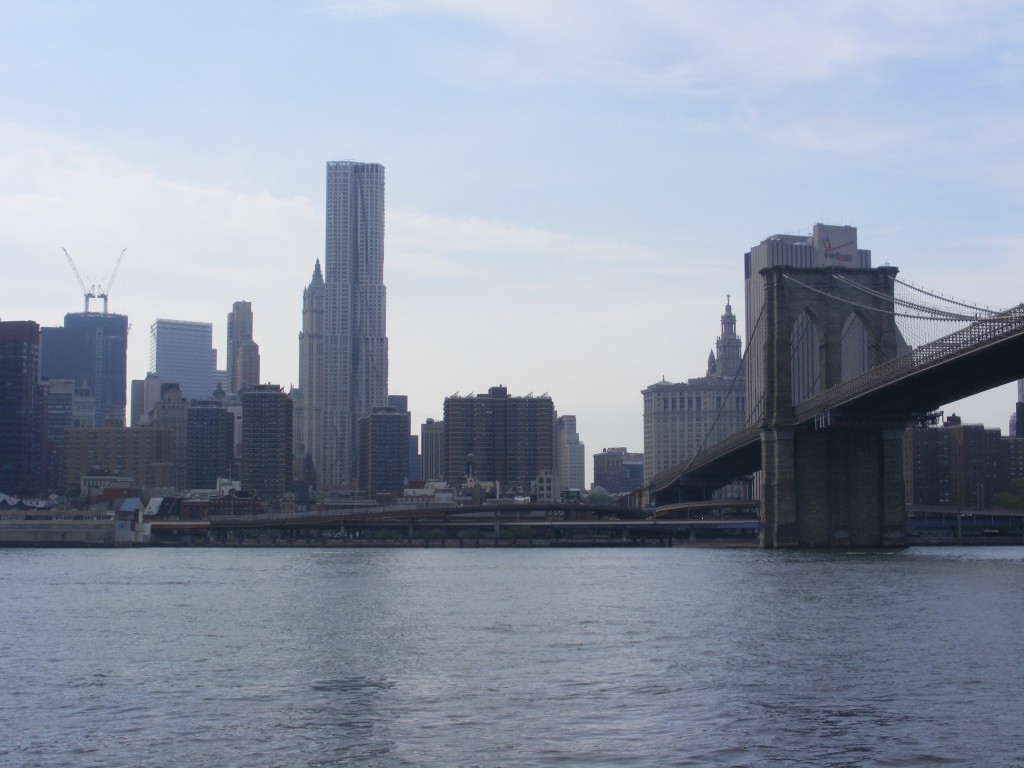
[
  {"x": 181, "y": 352},
  {"x": 243, "y": 354},
  {"x": 210, "y": 444},
  {"x": 499, "y": 438},
  {"x": 91, "y": 349},
  {"x": 22, "y": 417},
  {"x": 343, "y": 348},
  {"x": 682, "y": 418},
  {"x": 267, "y": 458},
  {"x": 384, "y": 451}
]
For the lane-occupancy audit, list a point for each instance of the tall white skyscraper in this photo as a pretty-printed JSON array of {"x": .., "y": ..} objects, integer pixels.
[
  {"x": 181, "y": 352},
  {"x": 343, "y": 348}
]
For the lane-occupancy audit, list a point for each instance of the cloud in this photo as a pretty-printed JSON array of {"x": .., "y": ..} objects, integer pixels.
[{"x": 670, "y": 44}]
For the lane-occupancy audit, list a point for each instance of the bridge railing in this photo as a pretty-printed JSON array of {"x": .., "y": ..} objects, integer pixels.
[{"x": 977, "y": 335}]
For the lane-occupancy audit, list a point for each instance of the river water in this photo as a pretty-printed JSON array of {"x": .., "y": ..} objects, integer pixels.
[{"x": 511, "y": 657}]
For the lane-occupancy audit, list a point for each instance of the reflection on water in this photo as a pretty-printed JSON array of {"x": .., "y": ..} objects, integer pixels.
[{"x": 405, "y": 657}]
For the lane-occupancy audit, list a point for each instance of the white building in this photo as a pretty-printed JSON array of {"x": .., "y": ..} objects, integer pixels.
[{"x": 682, "y": 418}]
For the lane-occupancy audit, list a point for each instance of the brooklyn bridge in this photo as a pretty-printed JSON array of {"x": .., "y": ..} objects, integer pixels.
[{"x": 847, "y": 359}]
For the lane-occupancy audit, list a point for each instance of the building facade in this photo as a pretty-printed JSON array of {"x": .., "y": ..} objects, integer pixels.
[
  {"x": 498, "y": 438},
  {"x": 957, "y": 464},
  {"x": 344, "y": 361},
  {"x": 22, "y": 410},
  {"x": 142, "y": 453},
  {"x": 682, "y": 418},
  {"x": 91, "y": 349},
  {"x": 243, "y": 354},
  {"x": 618, "y": 471},
  {"x": 181, "y": 352},
  {"x": 267, "y": 458}
]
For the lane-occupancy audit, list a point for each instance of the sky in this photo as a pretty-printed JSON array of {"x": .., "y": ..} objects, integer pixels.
[{"x": 571, "y": 184}]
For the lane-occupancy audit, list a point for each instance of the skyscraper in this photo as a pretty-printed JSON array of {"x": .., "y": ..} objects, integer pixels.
[
  {"x": 267, "y": 465},
  {"x": 243, "y": 354},
  {"x": 22, "y": 420},
  {"x": 181, "y": 352},
  {"x": 91, "y": 350},
  {"x": 343, "y": 357}
]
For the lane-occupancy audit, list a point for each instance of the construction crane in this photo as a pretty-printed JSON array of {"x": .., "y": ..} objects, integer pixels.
[
  {"x": 91, "y": 291},
  {"x": 106, "y": 291}
]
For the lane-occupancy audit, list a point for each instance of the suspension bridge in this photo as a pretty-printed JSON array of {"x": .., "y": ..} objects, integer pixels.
[{"x": 838, "y": 363}]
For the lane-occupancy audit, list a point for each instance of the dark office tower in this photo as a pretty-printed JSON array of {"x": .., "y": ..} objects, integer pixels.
[
  {"x": 355, "y": 352},
  {"x": 432, "y": 446},
  {"x": 210, "y": 444},
  {"x": 22, "y": 410},
  {"x": 267, "y": 468},
  {"x": 499, "y": 438},
  {"x": 243, "y": 353},
  {"x": 384, "y": 451},
  {"x": 91, "y": 350}
]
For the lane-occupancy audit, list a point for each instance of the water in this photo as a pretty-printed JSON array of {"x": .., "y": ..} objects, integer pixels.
[{"x": 409, "y": 657}]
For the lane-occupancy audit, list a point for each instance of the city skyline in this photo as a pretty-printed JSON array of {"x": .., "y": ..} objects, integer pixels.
[{"x": 595, "y": 172}]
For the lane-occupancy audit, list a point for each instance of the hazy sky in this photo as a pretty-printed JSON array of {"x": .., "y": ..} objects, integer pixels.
[{"x": 571, "y": 184}]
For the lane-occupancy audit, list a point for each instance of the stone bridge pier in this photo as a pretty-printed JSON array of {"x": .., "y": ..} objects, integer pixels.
[{"x": 837, "y": 479}]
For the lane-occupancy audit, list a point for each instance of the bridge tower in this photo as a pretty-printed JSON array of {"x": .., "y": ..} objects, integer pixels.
[{"x": 834, "y": 480}]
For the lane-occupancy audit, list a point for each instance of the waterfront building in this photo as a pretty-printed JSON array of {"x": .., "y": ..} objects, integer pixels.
[
  {"x": 181, "y": 351},
  {"x": 343, "y": 348},
  {"x": 243, "y": 354},
  {"x": 91, "y": 349},
  {"x": 432, "y": 446},
  {"x": 142, "y": 453},
  {"x": 618, "y": 471},
  {"x": 267, "y": 463},
  {"x": 570, "y": 464},
  {"x": 22, "y": 410},
  {"x": 682, "y": 418},
  {"x": 498, "y": 438},
  {"x": 384, "y": 451},
  {"x": 210, "y": 444}
]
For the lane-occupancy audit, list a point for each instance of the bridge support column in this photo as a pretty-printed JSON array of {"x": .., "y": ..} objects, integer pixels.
[
  {"x": 833, "y": 488},
  {"x": 778, "y": 490}
]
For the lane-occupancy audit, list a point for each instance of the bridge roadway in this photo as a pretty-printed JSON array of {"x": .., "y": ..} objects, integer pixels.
[{"x": 904, "y": 390}]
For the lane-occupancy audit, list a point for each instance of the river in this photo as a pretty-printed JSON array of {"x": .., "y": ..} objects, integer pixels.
[{"x": 511, "y": 657}]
